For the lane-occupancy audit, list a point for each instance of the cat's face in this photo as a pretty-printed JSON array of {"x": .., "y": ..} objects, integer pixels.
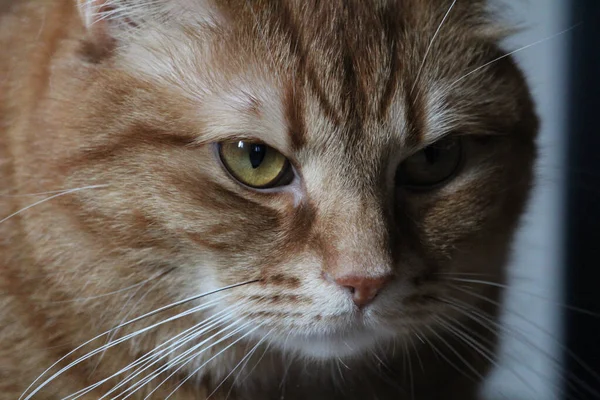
[{"x": 325, "y": 150}]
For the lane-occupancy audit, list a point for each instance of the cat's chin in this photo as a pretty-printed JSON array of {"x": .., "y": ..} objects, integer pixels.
[{"x": 332, "y": 346}]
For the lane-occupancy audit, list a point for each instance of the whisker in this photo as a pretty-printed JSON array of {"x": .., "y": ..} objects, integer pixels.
[
  {"x": 130, "y": 311},
  {"x": 288, "y": 365},
  {"x": 339, "y": 370},
  {"x": 550, "y": 336},
  {"x": 463, "y": 274},
  {"x": 488, "y": 322},
  {"x": 405, "y": 355},
  {"x": 146, "y": 360},
  {"x": 469, "y": 339},
  {"x": 410, "y": 370},
  {"x": 253, "y": 368},
  {"x": 181, "y": 302},
  {"x": 419, "y": 360},
  {"x": 210, "y": 359},
  {"x": 439, "y": 353},
  {"x": 244, "y": 366},
  {"x": 151, "y": 313},
  {"x": 246, "y": 357},
  {"x": 515, "y": 51},
  {"x": 541, "y": 297},
  {"x": 343, "y": 363},
  {"x": 189, "y": 355},
  {"x": 420, "y": 70},
  {"x": 50, "y": 192},
  {"x": 181, "y": 358},
  {"x": 116, "y": 291},
  {"x": 456, "y": 353},
  {"x": 37, "y": 203},
  {"x": 115, "y": 343},
  {"x": 379, "y": 360}
]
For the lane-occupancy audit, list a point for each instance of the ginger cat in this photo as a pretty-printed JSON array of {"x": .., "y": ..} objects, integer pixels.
[{"x": 255, "y": 199}]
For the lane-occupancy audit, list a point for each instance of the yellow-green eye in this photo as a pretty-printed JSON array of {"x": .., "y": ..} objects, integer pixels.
[
  {"x": 431, "y": 166},
  {"x": 255, "y": 164}
]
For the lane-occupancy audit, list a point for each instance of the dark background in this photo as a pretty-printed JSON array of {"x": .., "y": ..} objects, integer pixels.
[{"x": 582, "y": 275}]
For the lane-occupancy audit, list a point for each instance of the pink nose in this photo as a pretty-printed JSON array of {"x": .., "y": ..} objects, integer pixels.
[{"x": 363, "y": 289}]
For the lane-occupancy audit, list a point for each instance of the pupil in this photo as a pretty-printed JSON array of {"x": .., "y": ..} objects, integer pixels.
[
  {"x": 257, "y": 154},
  {"x": 432, "y": 153}
]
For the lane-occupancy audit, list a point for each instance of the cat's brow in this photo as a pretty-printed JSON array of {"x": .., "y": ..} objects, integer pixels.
[
  {"x": 415, "y": 119},
  {"x": 293, "y": 103},
  {"x": 306, "y": 73},
  {"x": 391, "y": 31}
]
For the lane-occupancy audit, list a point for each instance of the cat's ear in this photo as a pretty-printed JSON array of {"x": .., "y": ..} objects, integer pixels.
[
  {"x": 100, "y": 15},
  {"x": 90, "y": 11},
  {"x": 117, "y": 15},
  {"x": 108, "y": 22},
  {"x": 105, "y": 21}
]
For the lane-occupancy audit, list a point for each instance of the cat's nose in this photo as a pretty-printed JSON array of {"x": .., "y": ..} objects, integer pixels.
[{"x": 363, "y": 288}]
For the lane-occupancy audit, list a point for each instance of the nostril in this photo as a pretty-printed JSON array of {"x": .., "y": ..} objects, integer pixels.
[{"x": 352, "y": 289}]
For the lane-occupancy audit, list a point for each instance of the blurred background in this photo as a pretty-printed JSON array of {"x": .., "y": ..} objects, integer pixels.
[{"x": 551, "y": 347}]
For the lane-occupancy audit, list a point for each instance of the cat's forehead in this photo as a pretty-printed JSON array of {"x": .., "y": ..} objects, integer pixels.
[
  {"x": 369, "y": 74},
  {"x": 366, "y": 72}
]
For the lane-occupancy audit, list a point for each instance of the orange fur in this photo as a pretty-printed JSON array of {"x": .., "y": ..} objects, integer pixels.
[{"x": 130, "y": 107}]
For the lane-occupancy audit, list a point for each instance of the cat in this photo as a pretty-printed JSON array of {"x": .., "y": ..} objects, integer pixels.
[{"x": 255, "y": 199}]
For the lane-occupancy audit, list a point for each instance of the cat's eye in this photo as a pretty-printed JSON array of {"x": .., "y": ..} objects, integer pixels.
[
  {"x": 432, "y": 166},
  {"x": 255, "y": 164}
]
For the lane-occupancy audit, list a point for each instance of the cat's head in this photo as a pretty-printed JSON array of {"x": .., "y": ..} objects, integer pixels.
[{"x": 348, "y": 156}]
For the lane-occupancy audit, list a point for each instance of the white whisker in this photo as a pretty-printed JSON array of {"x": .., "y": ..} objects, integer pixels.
[
  {"x": 246, "y": 357},
  {"x": 420, "y": 70},
  {"x": 253, "y": 368},
  {"x": 513, "y": 52},
  {"x": 115, "y": 343},
  {"x": 164, "y": 308},
  {"x": 36, "y": 194},
  {"x": 176, "y": 360},
  {"x": 419, "y": 360},
  {"x": 114, "y": 292},
  {"x": 212, "y": 358},
  {"x": 130, "y": 310},
  {"x": 523, "y": 337},
  {"x": 146, "y": 359},
  {"x": 410, "y": 371},
  {"x": 519, "y": 291},
  {"x": 183, "y": 359},
  {"x": 457, "y": 354},
  {"x": 489, "y": 323},
  {"x": 37, "y": 203},
  {"x": 469, "y": 339}
]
